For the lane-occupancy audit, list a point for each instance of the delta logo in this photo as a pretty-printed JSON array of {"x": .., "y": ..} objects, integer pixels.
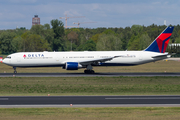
[
  {"x": 33, "y": 55},
  {"x": 24, "y": 56},
  {"x": 162, "y": 41}
]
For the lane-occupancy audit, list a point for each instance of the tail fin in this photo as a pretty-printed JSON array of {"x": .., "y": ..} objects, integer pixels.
[{"x": 161, "y": 42}]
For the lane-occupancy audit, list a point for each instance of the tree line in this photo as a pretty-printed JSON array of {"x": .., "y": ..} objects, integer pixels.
[{"x": 54, "y": 37}]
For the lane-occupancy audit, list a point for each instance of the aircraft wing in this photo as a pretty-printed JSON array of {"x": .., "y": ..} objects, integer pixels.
[{"x": 96, "y": 61}]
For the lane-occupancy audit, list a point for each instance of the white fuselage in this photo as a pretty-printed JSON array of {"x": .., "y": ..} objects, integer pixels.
[{"x": 45, "y": 59}]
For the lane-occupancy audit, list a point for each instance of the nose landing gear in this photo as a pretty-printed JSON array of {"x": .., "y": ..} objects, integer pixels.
[{"x": 15, "y": 72}]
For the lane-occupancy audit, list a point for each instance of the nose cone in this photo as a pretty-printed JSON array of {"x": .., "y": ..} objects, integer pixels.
[
  {"x": 1, "y": 59},
  {"x": 4, "y": 61}
]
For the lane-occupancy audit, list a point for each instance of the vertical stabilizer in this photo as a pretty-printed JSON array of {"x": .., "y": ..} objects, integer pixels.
[{"x": 161, "y": 42}]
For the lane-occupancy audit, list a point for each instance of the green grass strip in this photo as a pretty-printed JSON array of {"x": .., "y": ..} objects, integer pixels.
[
  {"x": 90, "y": 86},
  {"x": 148, "y": 113}
]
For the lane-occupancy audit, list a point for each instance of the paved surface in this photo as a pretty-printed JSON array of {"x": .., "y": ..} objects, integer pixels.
[
  {"x": 89, "y": 106},
  {"x": 174, "y": 59},
  {"x": 84, "y": 75},
  {"x": 88, "y": 101}
]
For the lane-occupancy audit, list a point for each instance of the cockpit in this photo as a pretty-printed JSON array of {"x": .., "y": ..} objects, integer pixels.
[{"x": 8, "y": 57}]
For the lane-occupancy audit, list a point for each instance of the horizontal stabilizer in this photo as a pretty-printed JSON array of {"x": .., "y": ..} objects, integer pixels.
[{"x": 166, "y": 55}]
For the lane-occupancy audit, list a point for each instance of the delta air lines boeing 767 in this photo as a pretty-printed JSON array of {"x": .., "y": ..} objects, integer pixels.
[{"x": 87, "y": 59}]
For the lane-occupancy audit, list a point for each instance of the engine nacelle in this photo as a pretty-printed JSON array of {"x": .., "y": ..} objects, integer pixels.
[{"x": 72, "y": 66}]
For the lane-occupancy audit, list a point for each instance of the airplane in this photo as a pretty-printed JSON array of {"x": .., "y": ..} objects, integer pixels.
[{"x": 87, "y": 59}]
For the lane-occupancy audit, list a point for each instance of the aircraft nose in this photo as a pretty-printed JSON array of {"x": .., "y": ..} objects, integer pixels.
[
  {"x": 4, "y": 61},
  {"x": 1, "y": 59}
]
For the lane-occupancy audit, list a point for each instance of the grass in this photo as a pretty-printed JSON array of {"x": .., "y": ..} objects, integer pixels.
[
  {"x": 93, "y": 85},
  {"x": 36, "y": 86},
  {"x": 89, "y": 86},
  {"x": 134, "y": 113},
  {"x": 159, "y": 66}
]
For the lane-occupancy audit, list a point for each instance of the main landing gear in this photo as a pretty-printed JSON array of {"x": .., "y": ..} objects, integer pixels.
[
  {"x": 89, "y": 70},
  {"x": 14, "y": 70}
]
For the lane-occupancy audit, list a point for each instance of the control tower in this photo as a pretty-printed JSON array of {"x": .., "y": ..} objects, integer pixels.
[{"x": 35, "y": 20}]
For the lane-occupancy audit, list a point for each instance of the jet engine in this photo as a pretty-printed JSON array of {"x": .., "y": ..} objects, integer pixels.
[{"x": 72, "y": 66}]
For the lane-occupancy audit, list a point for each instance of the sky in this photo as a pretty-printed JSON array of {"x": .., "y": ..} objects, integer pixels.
[{"x": 104, "y": 13}]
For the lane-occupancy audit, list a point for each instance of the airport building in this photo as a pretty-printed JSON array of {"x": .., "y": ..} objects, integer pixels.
[
  {"x": 174, "y": 44},
  {"x": 35, "y": 20}
]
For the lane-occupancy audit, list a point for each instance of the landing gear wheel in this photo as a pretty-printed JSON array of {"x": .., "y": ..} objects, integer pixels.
[
  {"x": 85, "y": 71},
  {"x": 89, "y": 71},
  {"x": 92, "y": 71},
  {"x": 14, "y": 70}
]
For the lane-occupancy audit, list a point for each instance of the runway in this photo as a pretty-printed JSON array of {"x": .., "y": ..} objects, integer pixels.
[
  {"x": 17, "y": 101},
  {"x": 86, "y": 75}
]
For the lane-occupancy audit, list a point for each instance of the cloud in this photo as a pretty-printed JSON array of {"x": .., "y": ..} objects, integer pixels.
[
  {"x": 21, "y": 1},
  {"x": 95, "y": 6},
  {"x": 11, "y": 16},
  {"x": 72, "y": 12},
  {"x": 107, "y": 14}
]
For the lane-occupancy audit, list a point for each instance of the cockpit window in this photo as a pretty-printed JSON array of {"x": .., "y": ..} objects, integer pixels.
[{"x": 9, "y": 57}]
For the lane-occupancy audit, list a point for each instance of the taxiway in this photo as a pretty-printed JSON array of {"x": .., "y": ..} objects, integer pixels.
[
  {"x": 86, "y": 75},
  {"x": 88, "y": 101}
]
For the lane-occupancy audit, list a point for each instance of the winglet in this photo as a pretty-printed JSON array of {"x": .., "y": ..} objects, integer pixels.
[{"x": 161, "y": 42}]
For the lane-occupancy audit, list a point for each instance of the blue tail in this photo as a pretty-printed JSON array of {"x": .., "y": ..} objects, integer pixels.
[{"x": 161, "y": 42}]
